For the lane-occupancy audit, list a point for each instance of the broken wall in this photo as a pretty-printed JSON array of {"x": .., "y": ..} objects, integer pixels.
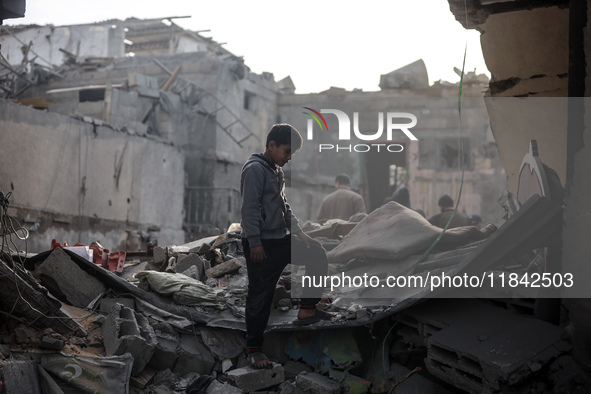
[
  {"x": 216, "y": 112},
  {"x": 527, "y": 54},
  {"x": 81, "y": 40},
  {"x": 82, "y": 182}
]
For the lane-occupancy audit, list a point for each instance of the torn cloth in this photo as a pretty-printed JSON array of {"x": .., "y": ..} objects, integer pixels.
[
  {"x": 393, "y": 232},
  {"x": 183, "y": 289}
]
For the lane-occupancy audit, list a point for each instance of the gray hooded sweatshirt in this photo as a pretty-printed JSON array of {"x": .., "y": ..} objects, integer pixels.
[{"x": 266, "y": 214}]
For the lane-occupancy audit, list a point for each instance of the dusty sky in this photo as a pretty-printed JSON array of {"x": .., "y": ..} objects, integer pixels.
[{"x": 347, "y": 44}]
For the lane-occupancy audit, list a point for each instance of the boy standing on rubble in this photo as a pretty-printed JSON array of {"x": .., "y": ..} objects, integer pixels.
[{"x": 272, "y": 238}]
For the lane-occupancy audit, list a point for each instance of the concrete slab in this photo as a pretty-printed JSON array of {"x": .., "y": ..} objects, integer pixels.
[
  {"x": 315, "y": 383},
  {"x": 224, "y": 343},
  {"x": 19, "y": 377},
  {"x": 492, "y": 351},
  {"x": 250, "y": 379},
  {"x": 185, "y": 262},
  {"x": 194, "y": 356},
  {"x": 67, "y": 281},
  {"x": 216, "y": 387}
]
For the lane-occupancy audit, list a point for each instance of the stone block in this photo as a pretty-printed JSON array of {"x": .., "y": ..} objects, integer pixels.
[
  {"x": 67, "y": 281},
  {"x": 126, "y": 331},
  {"x": 216, "y": 387},
  {"x": 250, "y": 379},
  {"x": 192, "y": 259},
  {"x": 19, "y": 377},
  {"x": 160, "y": 255},
  {"x": 51, "y": 343},
  {"x": 192, "y": 272},
  {"x": 194, "y": 356},
  {"x": 221, "y": 269},
  {"x": 315, "y": 383},
  {"x": 201, "y": 249}
]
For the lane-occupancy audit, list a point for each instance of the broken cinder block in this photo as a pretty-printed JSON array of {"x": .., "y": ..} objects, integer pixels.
[{"x": 126, "y": 331}]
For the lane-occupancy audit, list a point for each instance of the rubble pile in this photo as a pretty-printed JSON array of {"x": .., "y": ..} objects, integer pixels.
[{"x": 172, "y": 321}]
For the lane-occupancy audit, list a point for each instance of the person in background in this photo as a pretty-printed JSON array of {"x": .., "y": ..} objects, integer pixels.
[
  {"x": 342, "y": 203},
  {"x": 446, "y": 204},
  {"x": 402, "y": 197},
  {"x": 475, "y": 220}
]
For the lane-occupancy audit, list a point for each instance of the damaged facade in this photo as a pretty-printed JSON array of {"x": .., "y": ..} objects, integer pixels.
[
  {"x": 173, "y": 123},
  {"x": 155, "y": 81}
]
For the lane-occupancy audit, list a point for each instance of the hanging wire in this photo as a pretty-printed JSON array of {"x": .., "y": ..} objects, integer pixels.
[
  {"x": 9, "y": 227},
  {"x": 461, "y": 158}
]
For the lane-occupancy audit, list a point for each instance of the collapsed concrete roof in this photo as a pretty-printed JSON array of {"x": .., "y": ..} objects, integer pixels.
[{"x": 411, "y": 76}]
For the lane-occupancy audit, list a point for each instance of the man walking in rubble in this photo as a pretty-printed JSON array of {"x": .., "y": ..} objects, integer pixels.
[
  {"x": 342, "y": 203},
  {"x": 272, "y": 238}
]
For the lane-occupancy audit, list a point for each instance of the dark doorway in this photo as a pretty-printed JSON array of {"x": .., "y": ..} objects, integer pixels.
[{"x": 385, "y": 171}]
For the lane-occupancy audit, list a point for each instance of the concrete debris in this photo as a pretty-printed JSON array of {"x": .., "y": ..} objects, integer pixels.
[
  {"x": 51, "y": 343},
  {"x": 315, "y": 383},
  {"x": 186, "y": 262},
  {"x": 194, "y": 356},
  {"x": 182, "y": 330},
  {"x": 166, "y": 351},
  {"x": 411, "y": 76},
  {"x": 19, "y": 376},
  {"x": 58, "y": 272},
  {"x": 217, "y": 387},
  {"x": 493, "y": 352},
  {"x": 226, "y": 267},
  {"x": 126, "y": 331},
  {"x": 225, "y": 344},
  {"x": 250, "y": 379}
]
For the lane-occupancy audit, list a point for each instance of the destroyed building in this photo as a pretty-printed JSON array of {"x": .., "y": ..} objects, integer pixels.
[
  {"x": 429, "y": 167},
  {"x": 150, "y": 80},
  {"x": 186, "y": 97},
  {"x": 163, "y": 122}
]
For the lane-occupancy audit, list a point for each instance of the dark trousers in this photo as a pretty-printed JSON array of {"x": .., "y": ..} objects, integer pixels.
[{"x": 263, "y": 277}]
